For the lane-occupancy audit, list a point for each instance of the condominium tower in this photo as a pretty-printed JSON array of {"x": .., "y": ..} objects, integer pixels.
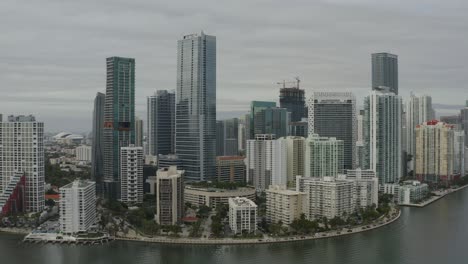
[
  {"x": 323, "y": 156},
  {"x": 77, "y": 207},
  {"x": 161, "y": 123},
  {"x": 434, "y": 152},
  {"x": 119, "y": 119},
  {"x": 22, "y": 151},
  {"x": 131, "y": 174},
  {"x": 385, "y": 71},
  {"x": 333, "y": 114},
  {"x": 383, "y": 112},
  {"x": 196, "y": 106},
  {"x": 97, "y": 158}
]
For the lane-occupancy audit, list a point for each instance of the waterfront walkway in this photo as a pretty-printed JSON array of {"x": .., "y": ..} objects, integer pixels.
[{"x": 395, "y": 215}]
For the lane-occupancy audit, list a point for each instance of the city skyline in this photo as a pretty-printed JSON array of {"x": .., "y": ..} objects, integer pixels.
[{"x": 43, "y": 75}]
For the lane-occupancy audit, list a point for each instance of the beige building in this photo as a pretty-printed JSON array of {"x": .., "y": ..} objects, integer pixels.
[
  {"x": 211, "y": 197},
  {"x": 169, "y": 196},
  {"x": 295, "y": 149},
  {"x": 327, "y": 197},
  {"x": 283, "y": 205},
  {"x": 434, "y": 152}
]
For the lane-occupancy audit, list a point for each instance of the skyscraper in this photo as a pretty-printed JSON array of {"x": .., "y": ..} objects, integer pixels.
[
  {"x": 22, "y": 151},
  {"x": 196, "y": 106},
  {"x": 333, "y": 114},
  {"x": 97, "y": 161},
  {"x": 293, "y": 99},
  {"x": 464, "y": 122},
  {"x": 138, "y": 132},
  {"x": 418, "y": 110},
  {"x": 119, "y": 119},
  {"x": 266, "y": 161},
  {"x": 295, "y": 150},
  {"x": 272, "y": 120},
  {"x": 385, "y": 71},
  {"x": 434, "y": 152},
  {"x": 227, "y": 137},
  {"x": 382, "y": 125},
  {"x": 255, "y": 108},
  {"x": 161, "y": 123}
]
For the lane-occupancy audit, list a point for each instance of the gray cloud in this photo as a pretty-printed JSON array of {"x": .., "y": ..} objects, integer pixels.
[{"x": 53, "y": 53}]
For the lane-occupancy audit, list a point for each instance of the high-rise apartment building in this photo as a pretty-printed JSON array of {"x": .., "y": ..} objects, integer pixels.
[
  {"x": 131, "y": 174},
  {"x": 169, "y": 196},
  {"x": 77, "y": 207},
  {"x": 293, "y": 99},
  {"x": 295, "y": 150},
  {"x": 459, "y": 152},
  {"x": 97, "y": 159},
  {"x": 323, "y": 156},
  {"x": 283, "y": 205},
  {"x": 196, "y": 106},
  {"x": 266, "y": 161},
  {"x": 366, "y": 185},
  {"x": 434, "y": 152},
  {"x": 138, "y": 132},
  {"x": 119, "y": 119},
  {"x": 418, "y": 110},
  {"x": 333, "y": 114},
  {"x": 161, "y": 123},
  {"x": 327, "y": 197},
  {"x": 22, "y": 151},
  {"x": 385, "y": 71},
  {"x": 383, "y": 112}
]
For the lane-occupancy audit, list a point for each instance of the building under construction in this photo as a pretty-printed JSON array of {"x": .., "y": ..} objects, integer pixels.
[{"x": 293, "y": 99}]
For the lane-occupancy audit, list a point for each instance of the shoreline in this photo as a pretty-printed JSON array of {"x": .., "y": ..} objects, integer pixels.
[
  {"x": 230, "y": 241},
  {"x": 435, "y": 198}
]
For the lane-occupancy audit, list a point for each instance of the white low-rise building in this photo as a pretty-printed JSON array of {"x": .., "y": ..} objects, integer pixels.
[
  {"x": 412, "y": 192},
  {"x": 328, "y": 197},
  {"x": 283, "y": 205},
  {"x": 83, "y": 153},
  {"x": 242, "y": 215},
  {"x": 77, "y": 206}
]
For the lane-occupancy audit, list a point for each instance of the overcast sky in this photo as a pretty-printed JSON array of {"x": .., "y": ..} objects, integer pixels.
[{"x": 52, "y": 53}]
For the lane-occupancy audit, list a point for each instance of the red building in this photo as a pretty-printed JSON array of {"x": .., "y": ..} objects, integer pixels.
[{"x": 12, "y": 199}]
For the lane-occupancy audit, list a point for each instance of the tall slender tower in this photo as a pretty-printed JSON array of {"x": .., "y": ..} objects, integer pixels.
[
  {"x": 383, "y": 135},
  {"x": 97, "y": 147},
  {"x": 119, "y": 119},
  {"x": 196, "y": 106},
  {"x": 161, "y": 123},
  {"x": 385, "y": 71}
]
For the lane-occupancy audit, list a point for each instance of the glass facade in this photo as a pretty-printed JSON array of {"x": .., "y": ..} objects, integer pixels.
[
  {"x": 385, "y": 71},
  {"x": 196, "y": 106},
  {"x": 119, "y": 119},
  {"x": 161, "y": 123}
]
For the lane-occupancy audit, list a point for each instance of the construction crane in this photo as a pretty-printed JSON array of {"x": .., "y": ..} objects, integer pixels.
[{"x": 294, "y": 84}]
